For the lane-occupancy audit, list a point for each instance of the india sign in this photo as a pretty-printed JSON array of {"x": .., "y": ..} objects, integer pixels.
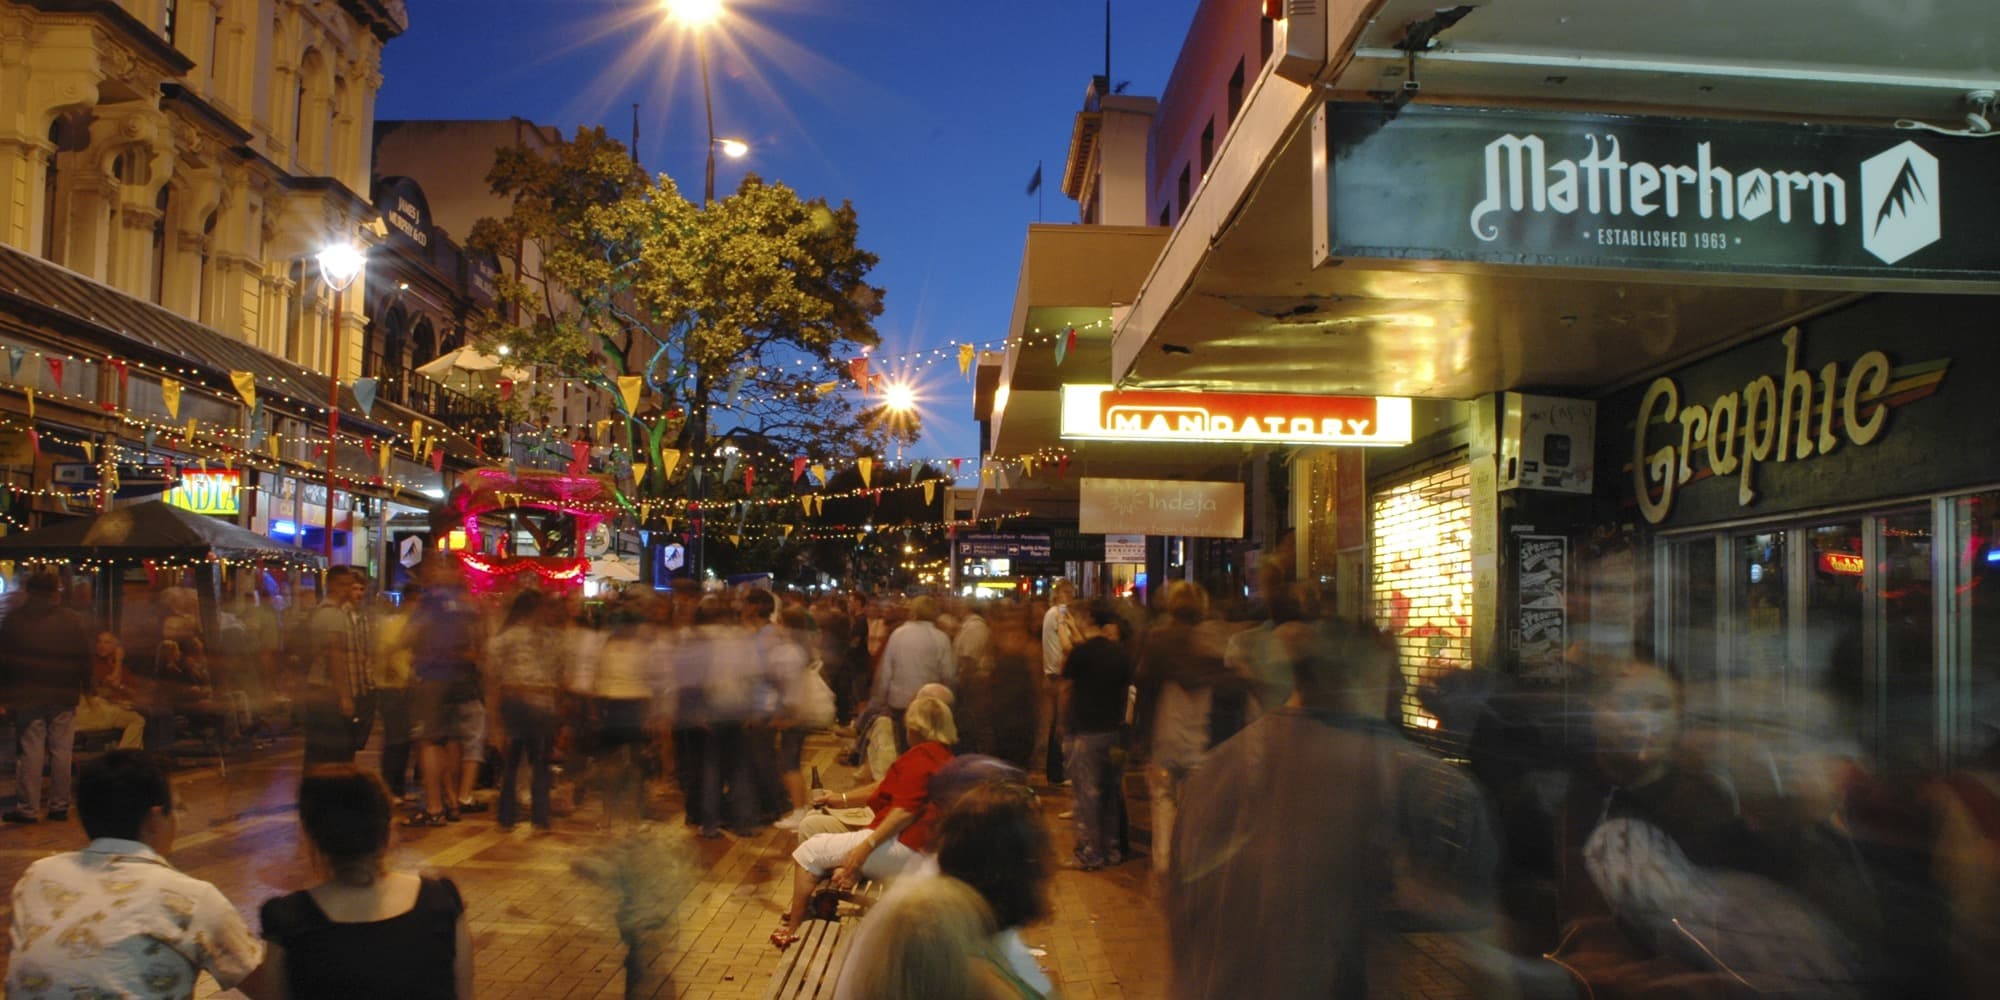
[{"x": 1104, "y": 413}]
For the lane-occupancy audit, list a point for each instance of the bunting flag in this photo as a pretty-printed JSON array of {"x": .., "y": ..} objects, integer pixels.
[
  {"x": 151, "y": 436},
  {"x": 89, "y": 451},
  {"x": 190, "y": 431},
  {"x": 124, "y": 375},
  {"x": 858, "y": 370},
  {"x": 602, "y": 428},
  {"x": 639, "y": 473},
  {"x": 506, "y": 389},
  {"x": 579, "y": 457},
  {"x": 15, "y": 355},
  {"x": 867, "y": 467},
  {"x": 736, "y": 540},
  {"x": 1062, "y": 348},
  {"x": 35, "y": 440},
  {"x": 629, "y": 387},
  {"x": 1069, "y": 337},
  {"x": 170, "y": 393},
  {"x": 966, "y": 354},
  {"x": 798, "y": 468},
  {"x": 1000, "y": 478},
  {"x": 1028, "y": 465},
  {"x": 271, "y": 447},
  {"x": 787, "y": 529},
  {"x": 55, "y": 369},
  {"x": 437, "y": 460},
  {"x": 955, "y": 463},
  {"x": 1062, "y": 466},
  {"x": 806, "y": 504},
  {"x": 383, "y": 452},
  {"x": 930, "y": 490},
  {"x": 749, "y": 478},
  {"x": 645, "y": 511},
  {"x": 669, "y": 458},
  {"x": 246, "y": 386},
  {"x": 736, "y": 384},
  {"x": 860, "y": 536},
  {"x": 825, "y": 387},
  {"x": 819, "y": 473},
  {"x": 729, "y": 463}
]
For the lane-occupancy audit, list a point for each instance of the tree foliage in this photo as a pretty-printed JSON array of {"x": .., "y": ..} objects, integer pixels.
[{"x": 748, "y": 309}]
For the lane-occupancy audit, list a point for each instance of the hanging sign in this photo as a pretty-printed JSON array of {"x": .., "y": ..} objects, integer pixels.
[
  {"x": 1124, "y": 548},
  {"x": 1615, "y": 191},
  {"x": 212, "y": 491},
  {"x": 1160, "y": 507},
  {"x": 1102, "y": 413}
]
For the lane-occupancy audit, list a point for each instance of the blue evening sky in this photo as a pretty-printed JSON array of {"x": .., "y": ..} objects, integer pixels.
[{"x": 929, "y": 117}]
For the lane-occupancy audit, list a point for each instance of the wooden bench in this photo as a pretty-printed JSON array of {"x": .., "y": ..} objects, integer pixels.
[{"x": 810, "y": 968}]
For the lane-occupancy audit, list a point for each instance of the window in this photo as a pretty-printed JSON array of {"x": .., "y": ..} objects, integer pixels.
[
  {"x": 1235, "y": 92},
  {"x": 1186, "y": 189},
  {"x": 161, "y": 244},
  {"x": 1207, "y": 147}
]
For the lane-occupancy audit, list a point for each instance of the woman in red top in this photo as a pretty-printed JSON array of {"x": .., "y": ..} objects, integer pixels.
[{"x": 900, "y": 830}]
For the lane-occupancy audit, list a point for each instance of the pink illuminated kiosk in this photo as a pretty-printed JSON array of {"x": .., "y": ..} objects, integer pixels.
[{"x": 508, "y": 528}]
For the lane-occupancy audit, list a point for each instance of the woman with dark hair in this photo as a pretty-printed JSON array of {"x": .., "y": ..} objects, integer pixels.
[
  {"x": 993, "y": 839},
  {"x": 364, "y": 931}
]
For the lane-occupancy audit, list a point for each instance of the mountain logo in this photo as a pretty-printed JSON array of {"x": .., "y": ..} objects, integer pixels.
[{"x": 1900, "y": 205}]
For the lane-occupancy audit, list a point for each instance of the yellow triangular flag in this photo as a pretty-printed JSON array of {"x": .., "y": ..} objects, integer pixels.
[
  {"x": 930, "y": 490},
  {"x": 867, "y": 467},
  {"x": 639, "y": 470},
  {"x": 669, "y": 459},
  {"x": 229, "y": 462},
  {"x": 819, "y": 503},
  {"x": 383, "y": 452},
  {"x": 271, "y": 448},
  {"x": 787, "y": 529},
  {"x": 860, "y": 536},
  {"x": 190, "y": 432},
  {"x": 603, "y": 427},
  {"x": 170, "y": 393},
  {"x": 1027, "y": 465},
  {"x": 89, "y": 451},
  {"x": 736, "y": 539},
  {"x": 645, "y": 512},
  {"x": 966, "y": 352},
  {"x": 246, "y": 386},
  {"x": 825, "y": 387},
  {"x": 31, "y": 404},
  {"x": 806, "y": 504},
  {"x": 628, "y": 391},
  {"x": 819, "y": 473}
]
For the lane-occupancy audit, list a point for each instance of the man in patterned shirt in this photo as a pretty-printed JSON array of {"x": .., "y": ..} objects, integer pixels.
[{"x": 115, "y": 919}]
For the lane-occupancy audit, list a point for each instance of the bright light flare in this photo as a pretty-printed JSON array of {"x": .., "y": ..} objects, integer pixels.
[
  {"x": 693, "y": 13},
  {"x": 341, "y": 263},
  {"x": 900, "y": 397},
  {"x": 735, "y": 149}
]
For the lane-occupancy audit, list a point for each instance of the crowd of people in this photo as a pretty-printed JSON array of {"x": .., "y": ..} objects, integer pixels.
[{"x": 1295, "y": 831}]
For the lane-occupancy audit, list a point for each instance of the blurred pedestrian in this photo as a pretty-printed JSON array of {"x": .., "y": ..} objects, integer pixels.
[
  {"x": 44, "y": 672},
  {"x": 1179, "y": 670},
  {"x": 108, "y": 703},
  {"x": 527, "y": 660},
  {"x": 395, "y": 640},
  {"x": 1099, "y": 674},
  {"x": 1060, "y": 631},
  {"x": 338, "y": 706},
  {"x": 448, "y": 701},
  {"x": 363, "y": 931},
  {"x": 917, "y": 653},
  {"x": 933, "y": 941}
]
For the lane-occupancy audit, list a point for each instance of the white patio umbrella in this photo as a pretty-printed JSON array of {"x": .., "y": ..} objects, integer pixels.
[{"x": 468, "y": 366}]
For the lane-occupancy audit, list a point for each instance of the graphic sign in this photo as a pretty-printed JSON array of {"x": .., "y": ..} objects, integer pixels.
[
  {"x": 1124, "y": 548},
  {"x": 1103, "y": 413},
  {"x": 1031, "y": 547},
  {"x": 1544, "y": 612},
  {"x": 1160, "y": 507},
  {"x": 1592, "y": 190},
  {"x": 211, "y": 491}
]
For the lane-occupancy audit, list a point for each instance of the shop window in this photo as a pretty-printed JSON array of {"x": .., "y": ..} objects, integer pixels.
[
  {"x": 1908, "y": 641},
  {"x": 1422, "y": 593},
  {"x": 1760, "y": 646},
  {"x": 1692, "y": 620},
  {"x": 1975, "y": 625}
]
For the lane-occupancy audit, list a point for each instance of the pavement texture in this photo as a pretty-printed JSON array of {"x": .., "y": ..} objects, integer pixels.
[{"x": 544, "y": 908}]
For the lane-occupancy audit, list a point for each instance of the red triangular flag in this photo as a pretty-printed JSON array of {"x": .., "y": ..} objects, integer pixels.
[
  {"x": 1062, "y": 466},
  {"x": 798, "y": 467},
  {"x": 506, "y": 389},
  {"x": 55, "y": 369},
  {"x": 749, "y": 478},
  {"x": 437, "y": 460},
  {"x": 35, "y": 440},
  {"x": 858, "y": 368},
  {"x": 955, "y": 463},
  {"x": 579, "y": 461},
  {"x": 123, "y": 374}
]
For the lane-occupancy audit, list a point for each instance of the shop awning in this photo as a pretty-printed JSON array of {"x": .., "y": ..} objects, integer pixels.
[
  {"x": 151, "y": 530},
  {"x": 1243, "y": 298}
]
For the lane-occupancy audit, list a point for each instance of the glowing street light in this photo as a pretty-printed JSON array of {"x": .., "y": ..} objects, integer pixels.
[
  {"x": 693, "y": 13},
  {"x": 339, "y": 264},
  {"x": 735, "y": 149},
  {"x": 900, "y": 397}
]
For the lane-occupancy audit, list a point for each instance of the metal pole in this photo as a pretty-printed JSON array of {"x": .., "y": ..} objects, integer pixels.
[
  {"x": 332, "y": 426},
  {"x": 698, "y": 406}
]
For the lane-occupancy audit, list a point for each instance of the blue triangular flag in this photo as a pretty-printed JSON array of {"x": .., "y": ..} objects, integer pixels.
[
  {"x": 15, "y": 356},
  {"x": 364, "y": 395},
  {"x": 150, "y": 435},
  {"x": 736, "y": 384},
  {"x": 729, "y": 465},
  {"x": 1062, "y": 346}
]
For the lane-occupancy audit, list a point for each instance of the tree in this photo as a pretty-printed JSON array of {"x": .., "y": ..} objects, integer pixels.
[{"x": 750, "y": 308}]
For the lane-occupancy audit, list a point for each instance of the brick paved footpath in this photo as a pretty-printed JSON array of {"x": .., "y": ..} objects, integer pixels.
[{"x": 541, "y": 931}]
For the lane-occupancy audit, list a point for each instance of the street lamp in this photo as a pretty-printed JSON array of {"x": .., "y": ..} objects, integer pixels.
[
  {"x": 339, "y": 264},
  {"x": 698, "y": 16}
]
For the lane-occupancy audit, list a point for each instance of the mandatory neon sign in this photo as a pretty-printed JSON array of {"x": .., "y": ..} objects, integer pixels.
[{"x": 1103, "y": 413}]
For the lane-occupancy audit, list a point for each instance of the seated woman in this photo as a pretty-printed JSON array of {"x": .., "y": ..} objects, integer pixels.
[
  {"x": 901, "y": 828},
  {"x": 364, "y": 931}
]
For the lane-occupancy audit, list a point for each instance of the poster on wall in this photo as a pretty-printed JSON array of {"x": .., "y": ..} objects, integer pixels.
[{"x": 1544, "y": 609}]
